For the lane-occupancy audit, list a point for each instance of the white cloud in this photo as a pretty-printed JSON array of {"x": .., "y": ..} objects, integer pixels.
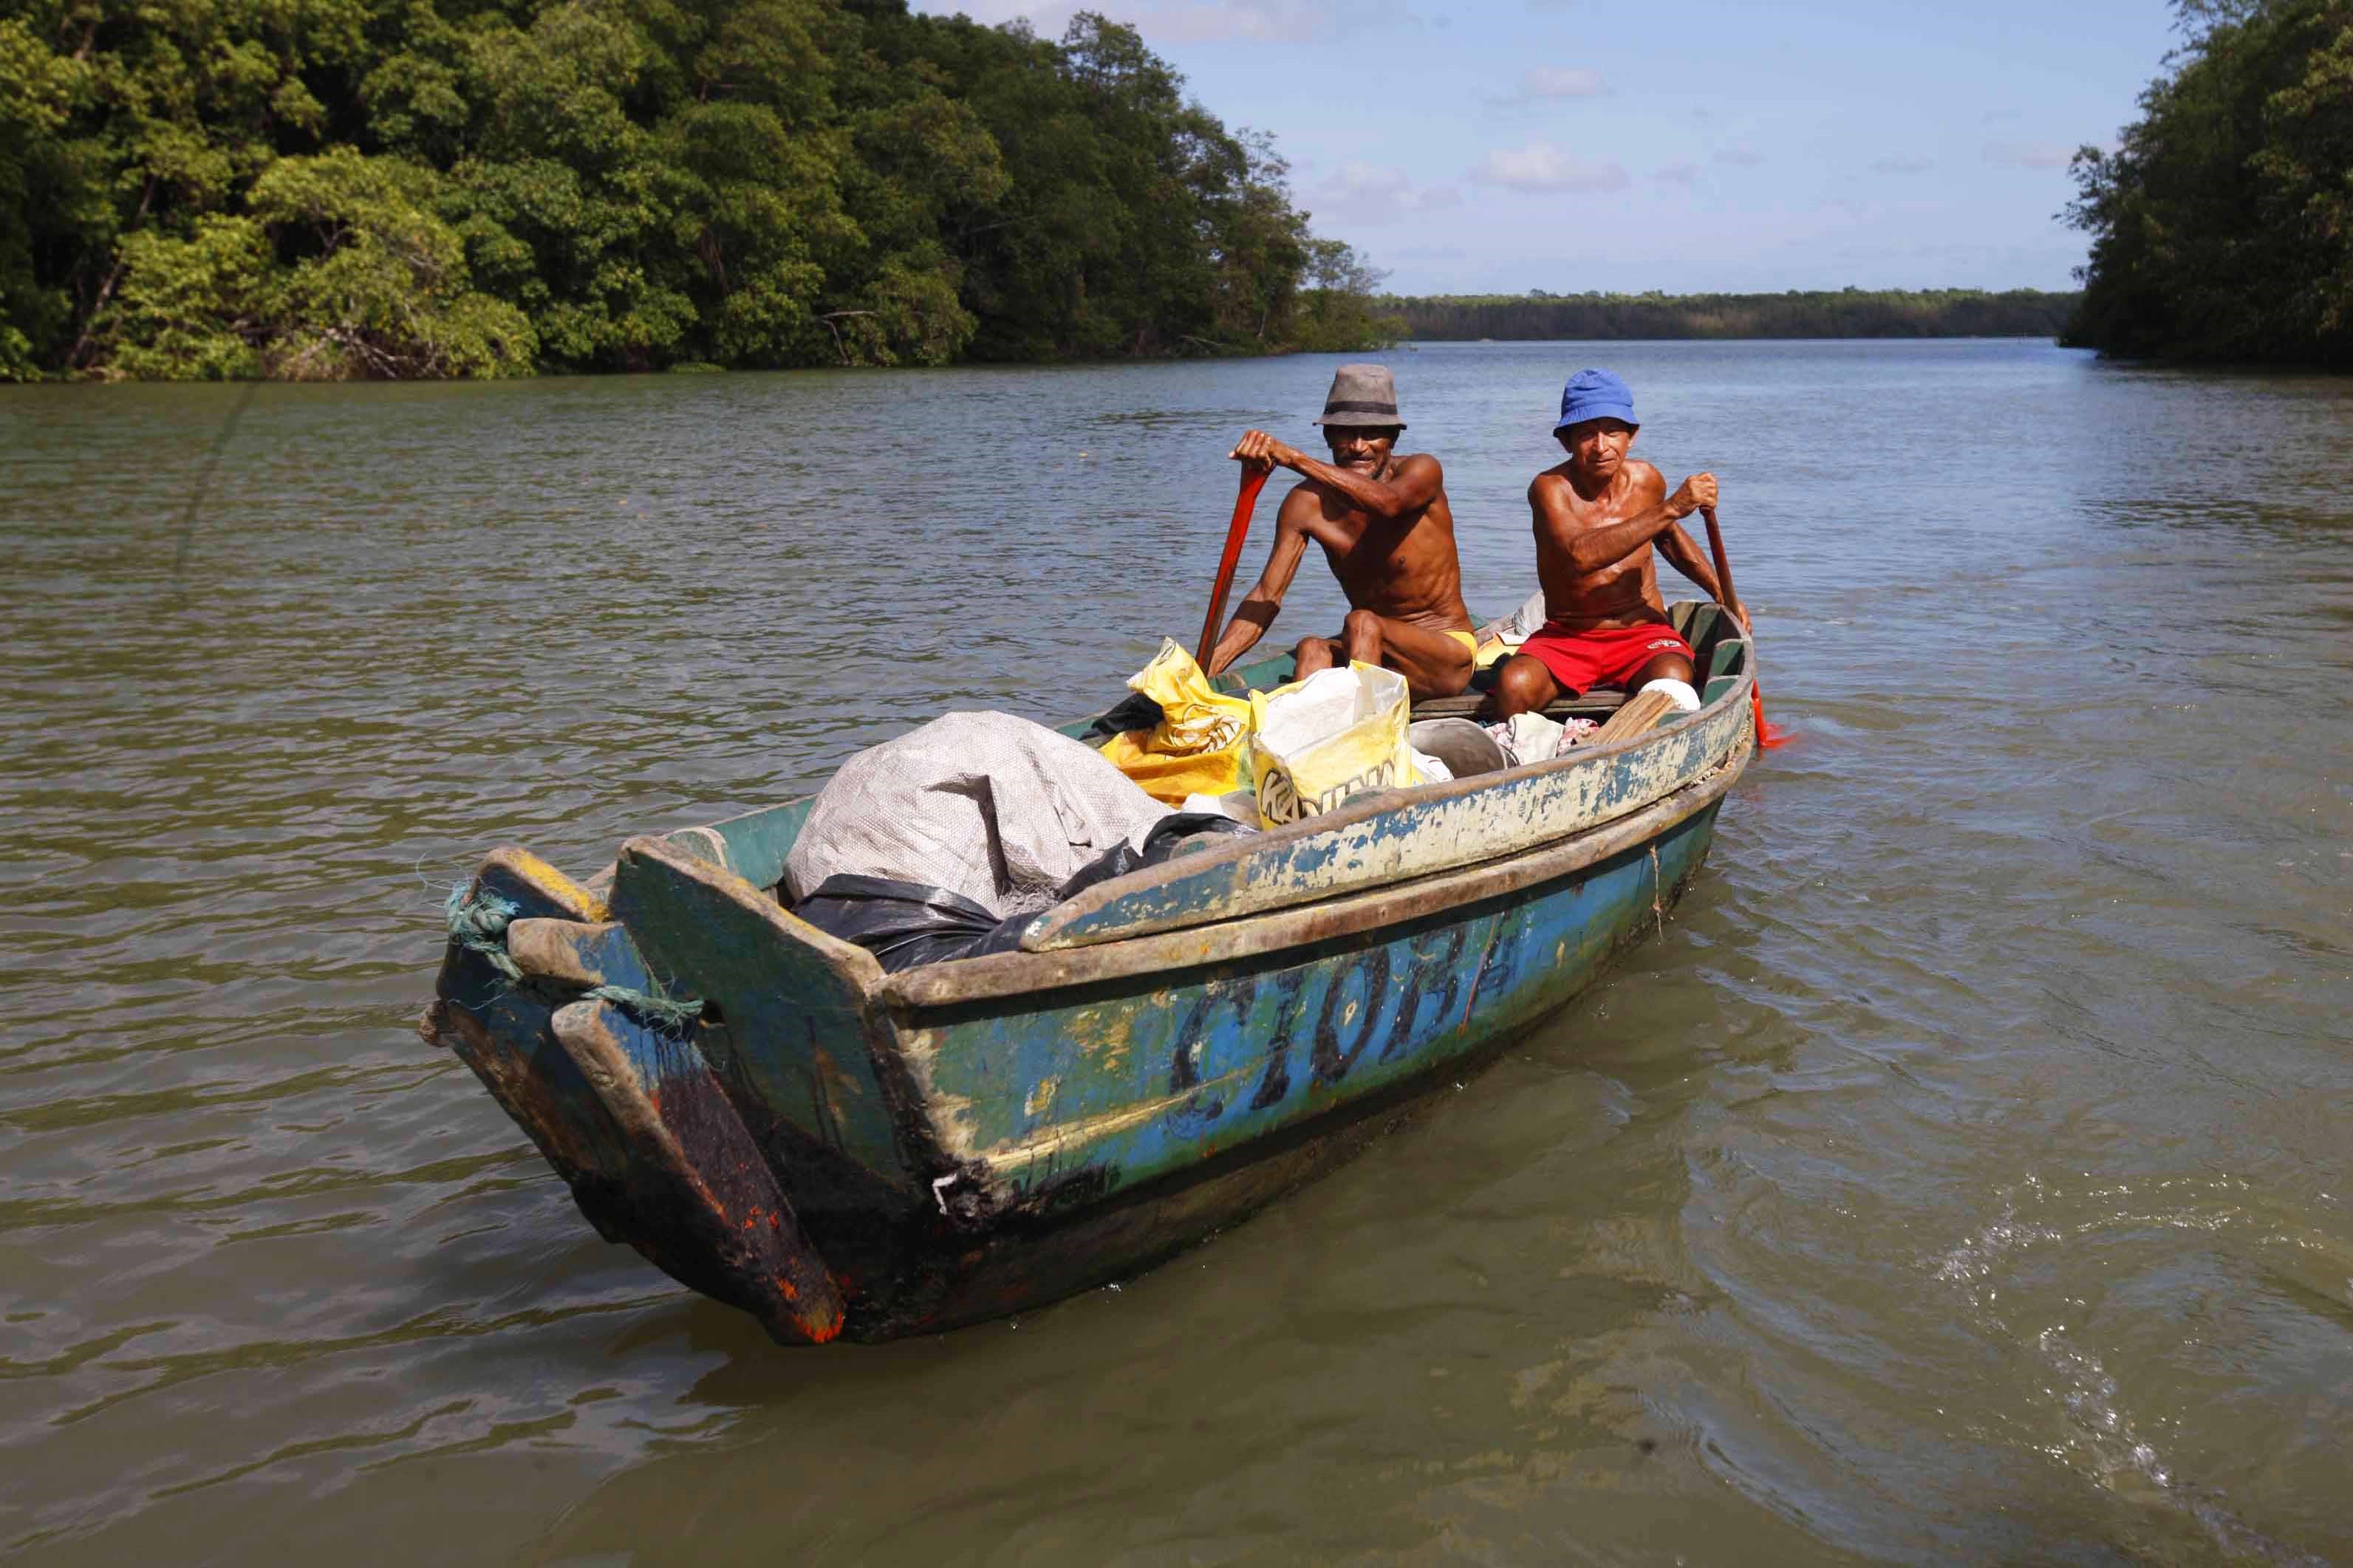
[
  {"x": 2029, "y": 154},
  {"x": 1368, "y": 193},
  {"x": 1048, "y": 19},
  {"x": 1901, "y": 166},
  {"x": 1163, "y": 22},
  {"x": 1541, "y": 166},
  {"x": 1548, "y": 84},
  {"x": 1558, "y": 82},
  {"x": 1677, "y": 173},
  {"x": 1745, "y": 157},
  {"x": 1217, "y": 21}
]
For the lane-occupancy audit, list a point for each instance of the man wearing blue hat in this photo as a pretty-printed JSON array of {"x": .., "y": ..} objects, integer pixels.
[
  {"x": 1386, "y": 528},
  {"x": 1597, "y": 517}
]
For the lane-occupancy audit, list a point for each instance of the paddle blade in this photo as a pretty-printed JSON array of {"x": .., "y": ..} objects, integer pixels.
[
  {"x": 1769, "y": 735},
  {"x": 1253, "y": 480}
]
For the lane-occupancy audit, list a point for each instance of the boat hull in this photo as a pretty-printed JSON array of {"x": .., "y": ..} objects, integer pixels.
[
  {"x": 1055, "y": 1141},
  {"x": 845, "y": 1153},
  {"x": 1266, "y": 1073}
]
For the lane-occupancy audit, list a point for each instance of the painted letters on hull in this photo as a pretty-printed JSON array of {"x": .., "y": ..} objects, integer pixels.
[{"x": 1119, "y": 1090}]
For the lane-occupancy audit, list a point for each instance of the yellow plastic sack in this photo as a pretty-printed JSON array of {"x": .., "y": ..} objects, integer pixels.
[
  {"x": 1317, "y": 742},
  {"x": 1201, "y": 745}
]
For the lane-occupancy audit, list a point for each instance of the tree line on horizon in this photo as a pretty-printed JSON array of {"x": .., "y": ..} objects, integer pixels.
[
  {"x": 318, "y": 189},
  {"x": 1796, "y": 313},
  {"x": 2222, "y": 225}
]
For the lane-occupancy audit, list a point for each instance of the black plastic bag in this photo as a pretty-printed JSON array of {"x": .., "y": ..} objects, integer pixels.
[
  {"x": 904, "y": 924},
  {"x": 1136, "y": 711},
  {"x": 1170, "y": 836}
]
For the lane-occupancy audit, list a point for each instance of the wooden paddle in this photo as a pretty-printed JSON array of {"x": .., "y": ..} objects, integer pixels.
[
  {"x": 1253, "y": 480},
  {"x": 1767, "y": 735}
]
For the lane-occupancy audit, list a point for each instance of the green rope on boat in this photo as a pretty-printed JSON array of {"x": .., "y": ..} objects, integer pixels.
[
  {"x": 479, "y": 926},
  {"x": 651, "y": 1008}
]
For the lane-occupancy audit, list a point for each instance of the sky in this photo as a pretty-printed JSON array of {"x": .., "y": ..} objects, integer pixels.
[{"x": 1684, "y": 145}]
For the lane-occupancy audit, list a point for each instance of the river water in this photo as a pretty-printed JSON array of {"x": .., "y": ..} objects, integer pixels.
[{"x": 1963, "y": 1174}]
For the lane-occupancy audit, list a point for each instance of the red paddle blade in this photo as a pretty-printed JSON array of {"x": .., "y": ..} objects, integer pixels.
[
  {"x": 1253, "y": 479},
  {"x": 1769, "y": 735}
]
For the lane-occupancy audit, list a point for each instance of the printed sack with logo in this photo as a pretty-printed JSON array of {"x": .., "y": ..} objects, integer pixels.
[
  {"x": 1337, "y": 734},
  {"x": 1201, "y": 745}
]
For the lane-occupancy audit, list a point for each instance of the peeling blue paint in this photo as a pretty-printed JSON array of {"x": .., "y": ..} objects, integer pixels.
[{"x": 1327, "y": 1027}]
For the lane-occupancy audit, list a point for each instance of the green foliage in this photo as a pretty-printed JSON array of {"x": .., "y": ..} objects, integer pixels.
[
  {"x": 1846, "y": 313},
  {"x": 377, "y": 286},
  {"x": 192, "y": 309},
  {"x": 330, "y": 188},
  {"x": 1336, "y": 309},
  {"x": 381, "y": 286},
  {"x": 2223, "y": 226},
  {"x": 38, "y": 88}
]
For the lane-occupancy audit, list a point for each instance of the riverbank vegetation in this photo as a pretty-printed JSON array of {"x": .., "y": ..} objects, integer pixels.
[
  {"x": 1846, "y": 313},
  {"x": 2222, "y": 225},
  {"x": 335, "y": 188}
]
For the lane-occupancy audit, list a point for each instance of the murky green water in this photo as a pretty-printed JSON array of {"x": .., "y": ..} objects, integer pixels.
[{"x": 1963, "y": 1175}]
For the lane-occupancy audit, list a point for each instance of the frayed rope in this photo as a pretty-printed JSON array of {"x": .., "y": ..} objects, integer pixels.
[
  {"x": 650, "y": 1007},
  {"x": 479, "y": 924}
]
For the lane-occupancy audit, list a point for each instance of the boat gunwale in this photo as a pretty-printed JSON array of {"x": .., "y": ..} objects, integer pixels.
[
  {"x": 998, "y": 977},
  {"x": 993, "y": 975},
  {"x": 1364, "y": 808}
]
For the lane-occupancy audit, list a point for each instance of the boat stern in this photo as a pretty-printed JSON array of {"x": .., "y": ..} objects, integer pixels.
[{"x": 552, "y": 1007}]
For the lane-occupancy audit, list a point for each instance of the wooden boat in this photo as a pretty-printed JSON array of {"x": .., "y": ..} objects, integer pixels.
[{"x": 843, "y": 1151}]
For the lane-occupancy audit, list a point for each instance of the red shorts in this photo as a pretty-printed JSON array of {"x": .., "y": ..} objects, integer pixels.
[{"x": 1601, "y": 655}]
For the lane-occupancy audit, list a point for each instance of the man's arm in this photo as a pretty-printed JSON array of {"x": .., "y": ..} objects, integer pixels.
[
  {"x": 1412, "y": 484},
  {"x": 1684, "y": 555},
  {"x": 1259, "y": 606},
  {"x": 1591, "y": 549}
]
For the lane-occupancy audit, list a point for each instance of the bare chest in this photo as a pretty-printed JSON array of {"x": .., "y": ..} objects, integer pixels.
[
  {"x": 1583, "y": 514},
  {"x": 1630, "y": 576},
  {"x": 1362, "y": 551}
]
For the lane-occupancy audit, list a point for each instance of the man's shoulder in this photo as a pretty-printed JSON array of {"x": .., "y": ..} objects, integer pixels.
[
  {"x": 1646, "y": 474},
  {"x": 1306, "y": 493}
]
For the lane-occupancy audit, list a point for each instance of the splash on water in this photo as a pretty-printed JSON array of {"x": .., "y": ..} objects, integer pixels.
[{"x": 2097, "y": 1436}]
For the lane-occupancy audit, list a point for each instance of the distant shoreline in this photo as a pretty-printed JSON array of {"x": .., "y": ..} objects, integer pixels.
[
  {"x": 1539, "y": 316},
  {"x": 1401, "y": 345},
  {"x": 1743, "y": 338}
]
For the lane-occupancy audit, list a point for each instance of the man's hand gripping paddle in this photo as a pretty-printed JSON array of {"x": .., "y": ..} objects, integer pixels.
[
  {"x": 1767, "y": 735},
  {"x": 1253, "y": 480}
]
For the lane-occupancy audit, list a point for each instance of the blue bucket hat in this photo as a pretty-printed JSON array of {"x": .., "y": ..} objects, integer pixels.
[{"x": 1595, "y": 394}]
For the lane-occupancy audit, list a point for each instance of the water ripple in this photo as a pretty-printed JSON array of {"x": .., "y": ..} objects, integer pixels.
[{"x": 1955, "y": 1176}]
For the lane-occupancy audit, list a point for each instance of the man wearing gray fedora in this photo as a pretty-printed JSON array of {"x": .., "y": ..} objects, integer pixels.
[{"x": 1386, "y": 528}]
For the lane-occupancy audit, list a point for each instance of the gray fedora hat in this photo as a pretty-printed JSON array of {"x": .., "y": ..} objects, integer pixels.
[{"x": 1362, "y": 395}]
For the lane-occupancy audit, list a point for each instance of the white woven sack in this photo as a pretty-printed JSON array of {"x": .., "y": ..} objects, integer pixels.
[
  {"x": 994, "y": 807},
  {"x": 1519, "y": 625}
]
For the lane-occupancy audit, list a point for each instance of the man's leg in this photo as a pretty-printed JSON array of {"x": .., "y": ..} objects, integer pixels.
[
  {"x": 1522, "y": 686},
  {"x": 1313, "y": 655},
  {"x": 1433, "y": 664},
  {"x": 1666, "y": 666}
]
